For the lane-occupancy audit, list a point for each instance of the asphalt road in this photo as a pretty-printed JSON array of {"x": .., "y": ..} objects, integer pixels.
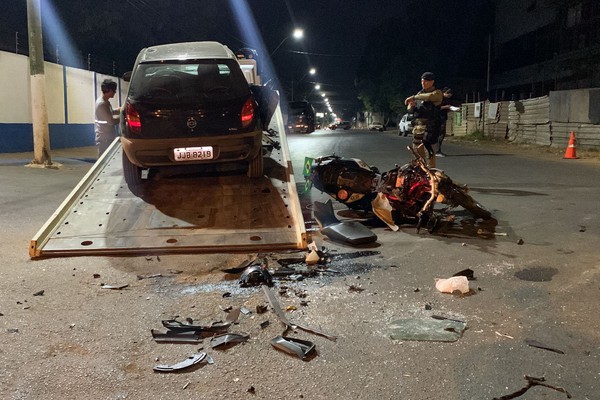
[{"x": 537, "y": 278}]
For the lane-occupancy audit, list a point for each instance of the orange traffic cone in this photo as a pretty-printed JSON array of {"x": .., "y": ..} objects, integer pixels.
[{"x": 572, "y": 147}]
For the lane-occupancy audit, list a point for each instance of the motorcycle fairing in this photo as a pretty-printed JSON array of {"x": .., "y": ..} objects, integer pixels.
[{"x": 383, "y": 210}]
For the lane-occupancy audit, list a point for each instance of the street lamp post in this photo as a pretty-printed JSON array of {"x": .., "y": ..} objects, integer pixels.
[
  {"x": 297, "y": 34},
  {"x": 311, "y": 71}
]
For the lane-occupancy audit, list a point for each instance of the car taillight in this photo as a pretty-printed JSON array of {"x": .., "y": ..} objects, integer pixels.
[
  {"x": 133, "y": 119},
  {"x": 247, "y": 112}
]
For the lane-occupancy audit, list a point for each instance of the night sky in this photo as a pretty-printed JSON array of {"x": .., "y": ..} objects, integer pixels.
[{"x": 336, "y": 32}]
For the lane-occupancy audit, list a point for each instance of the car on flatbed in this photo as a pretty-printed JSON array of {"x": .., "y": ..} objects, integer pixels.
[{"x": 189, "y": 103}]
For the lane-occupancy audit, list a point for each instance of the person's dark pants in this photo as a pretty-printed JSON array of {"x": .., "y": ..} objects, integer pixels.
[
  {"x": 102, "y": 145},
  {"x": 441, "y": 137}
]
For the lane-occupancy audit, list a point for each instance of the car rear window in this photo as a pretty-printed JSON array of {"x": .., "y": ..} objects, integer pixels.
[{"x": 188, "y": 82}]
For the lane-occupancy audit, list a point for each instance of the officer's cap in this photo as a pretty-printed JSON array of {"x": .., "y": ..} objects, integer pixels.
[{"x": 428, "y": 76}]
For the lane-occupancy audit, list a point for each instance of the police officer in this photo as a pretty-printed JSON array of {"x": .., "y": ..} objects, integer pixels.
[{"x": 425, "y": 106}]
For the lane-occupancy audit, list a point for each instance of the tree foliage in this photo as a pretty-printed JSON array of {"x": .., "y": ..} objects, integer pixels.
[{"x": 447, "y": 38}]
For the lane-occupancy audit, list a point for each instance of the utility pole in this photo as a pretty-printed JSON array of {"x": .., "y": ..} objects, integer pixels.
[{"x": 39, "y": 111}]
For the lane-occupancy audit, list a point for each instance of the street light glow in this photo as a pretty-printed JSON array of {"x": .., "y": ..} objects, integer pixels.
[
  {"x": 298, "y": 33},
  {"x": 317, "y": 86},
  {"x": 312, "y": 71}
]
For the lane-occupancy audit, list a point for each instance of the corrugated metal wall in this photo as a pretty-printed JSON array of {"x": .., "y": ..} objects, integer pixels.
[{"x": 524, "y": 121}]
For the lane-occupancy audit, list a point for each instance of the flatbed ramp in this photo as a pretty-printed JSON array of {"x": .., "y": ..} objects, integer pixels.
[{"x": 177, "y": 214}]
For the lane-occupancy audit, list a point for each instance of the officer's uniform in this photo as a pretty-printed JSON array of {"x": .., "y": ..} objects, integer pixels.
[{"x": 426, "y": 122}]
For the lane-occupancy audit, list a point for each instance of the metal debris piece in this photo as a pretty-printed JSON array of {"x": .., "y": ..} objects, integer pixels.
[
  {"x": 12, "y": 330},
  {"x": 226, "y": 309},
  {"x": 533, "y": 381},
  {"x": 282, "y": 317},
  {"x": 251, "y": 390},
  {"x": 114, "y": 287},
  {"x": 96, "y": 276},
  {"x": 304, "y": 303},
  {"x": 39, "y": 293},
  {"x": 582, "y": 228},
  {"x": 228, "y": 339},
  {"x": 539, "y": 345},
  {"x": 190, "y": 337},
  {"x": 226, "y": 294},
  {"x": 264, "y": 324},
  {"x": 190, "y": 361},
  {"x": 296, "y": 347},
  {"x": 291, "y": 308},
  {"x": 520, "y": 241}
]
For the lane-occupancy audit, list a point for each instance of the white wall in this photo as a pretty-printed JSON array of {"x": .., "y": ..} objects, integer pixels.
[
  {"x": 14, "y": 79},
  {"x": 81, "y": 92}
]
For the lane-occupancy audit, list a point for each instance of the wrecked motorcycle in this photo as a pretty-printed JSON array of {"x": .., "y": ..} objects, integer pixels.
[{"x": 403, "y": 194}]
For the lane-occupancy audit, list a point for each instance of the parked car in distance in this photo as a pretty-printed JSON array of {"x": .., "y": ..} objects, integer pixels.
[
  {"x": 377, "y": 126},
  {"x": 405, "y": 125},
  {"x": 189, "y": 103},
  {"x": 345, "y": 125}
]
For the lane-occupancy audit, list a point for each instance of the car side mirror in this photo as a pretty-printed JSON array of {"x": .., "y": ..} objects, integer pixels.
[{"x": 126, "y": 76}]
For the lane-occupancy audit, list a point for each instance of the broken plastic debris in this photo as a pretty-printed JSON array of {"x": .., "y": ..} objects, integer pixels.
[
  {"x": 296, "y": 347},
  {"x": 383, "y": 210},
  {"x": 114, "y": 287},
  {"x": 191, "y": 360},
  {"x": 227, "y": 339},
  {"x": 426, "y": 329},
  {"x": 450, "y": 285},
  {"x": 312, "y": 257}
]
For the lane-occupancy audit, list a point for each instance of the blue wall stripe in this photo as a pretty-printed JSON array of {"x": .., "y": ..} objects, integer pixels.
[
  {"x": 65, "y": 94},
  {"x": 18, "y": 138}
]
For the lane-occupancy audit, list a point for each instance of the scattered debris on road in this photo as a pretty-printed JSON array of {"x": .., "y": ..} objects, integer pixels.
[
  {"x": 187, "y": 363},
  {"x": 453, "y": 284},
  {"x": 539, "y": 345},
  {"x": 532, "y": 381}
]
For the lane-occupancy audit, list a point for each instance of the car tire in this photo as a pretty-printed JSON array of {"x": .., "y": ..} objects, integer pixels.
[
  {"x": 256, "y": 166},
  {"x": 132, "y": 173}
]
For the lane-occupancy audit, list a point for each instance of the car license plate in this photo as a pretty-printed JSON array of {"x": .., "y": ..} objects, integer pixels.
[{"x": 193, "y": 153}]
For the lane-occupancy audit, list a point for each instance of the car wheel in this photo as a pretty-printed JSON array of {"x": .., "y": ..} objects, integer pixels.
[
  {"x": 256, "y": 166},
  {"x": 131, "y": 172}
]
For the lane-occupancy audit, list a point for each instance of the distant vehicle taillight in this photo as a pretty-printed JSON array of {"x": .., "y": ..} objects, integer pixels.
[
  {"x": 247, "y": 112},
  {"x": 133, "y": 119}
]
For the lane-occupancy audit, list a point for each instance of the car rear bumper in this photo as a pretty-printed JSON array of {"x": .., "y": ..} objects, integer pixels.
[{"x": 147, "y": 153}]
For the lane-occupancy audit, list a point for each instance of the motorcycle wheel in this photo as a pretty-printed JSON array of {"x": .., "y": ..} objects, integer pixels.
[{"x": 461, "y": 198}]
